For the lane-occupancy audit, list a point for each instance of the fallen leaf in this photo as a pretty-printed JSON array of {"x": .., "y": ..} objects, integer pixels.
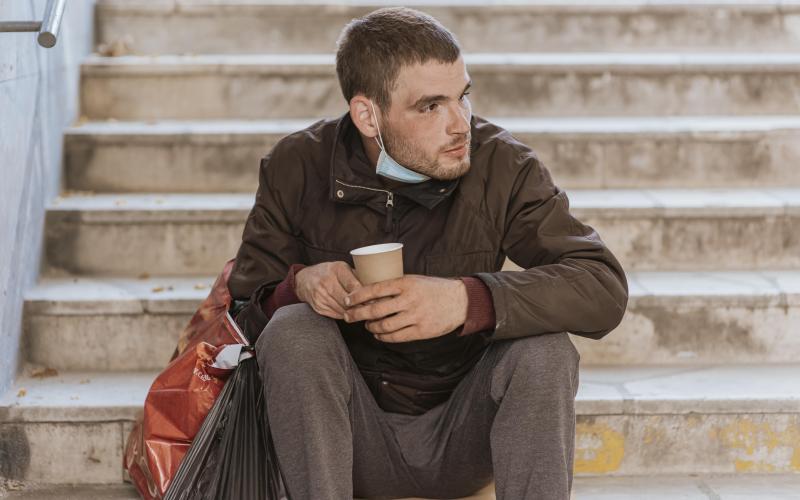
[
  {"x": 11, "y": 485},
  {"x": 69, "y": 193},
  {"x": 44, "y": 372},
  {"x": 144, "y": 276},
  {"x": 115, "y": 48},
  {"x": 200, "y": 286},
  {"x": 21, "y": 393}
]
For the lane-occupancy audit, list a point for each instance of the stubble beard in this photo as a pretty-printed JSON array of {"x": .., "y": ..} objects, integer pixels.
[{"x": 411, "y": 157}]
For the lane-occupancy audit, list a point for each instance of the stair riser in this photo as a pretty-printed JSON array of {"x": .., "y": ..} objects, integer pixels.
[
  {"x": 688, "y": 329},
  {"x": 84, "y": 453},
  {"x": 187, "y": 243},
  {"x": 297, "y": 29},
  {"x": 698, "y": 242},
  {"x": 107, "y": 342},
  {"x": 64, "y": 452},
  {"x": 229, "y": 162},
  {"x": 691, "y": 443},
  {"x": 700, "y": 329},
  {"x": 297, "y": 92}
]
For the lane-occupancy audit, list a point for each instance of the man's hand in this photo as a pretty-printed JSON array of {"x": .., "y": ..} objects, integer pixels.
[
  {"x": 413, "y": 307},
  {"x": 323, "y": 286}
]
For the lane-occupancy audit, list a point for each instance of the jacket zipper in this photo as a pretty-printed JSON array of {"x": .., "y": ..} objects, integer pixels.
[
  {"x": 389, "y": 203},
  {"x": 389, "y": 206}
]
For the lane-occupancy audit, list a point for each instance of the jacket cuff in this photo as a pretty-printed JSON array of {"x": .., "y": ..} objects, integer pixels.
[
  {"x": 480, "y": 311},
  {"x": 284, "y": 294},
  {"x": 252, "y": 317}
]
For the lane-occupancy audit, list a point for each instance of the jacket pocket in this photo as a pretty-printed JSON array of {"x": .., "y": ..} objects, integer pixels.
[{"x": 315, "y": 255}]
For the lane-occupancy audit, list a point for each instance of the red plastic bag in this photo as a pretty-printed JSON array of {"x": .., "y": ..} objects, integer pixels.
[{"x": 182, "y": 394}]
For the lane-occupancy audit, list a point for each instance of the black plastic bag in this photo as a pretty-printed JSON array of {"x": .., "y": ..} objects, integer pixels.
[{"x": 232, "y": 456}]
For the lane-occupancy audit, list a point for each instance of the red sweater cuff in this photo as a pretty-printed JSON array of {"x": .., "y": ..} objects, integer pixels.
[
  {"x": 480, "y": 311},
  {"x": 284, "y": 294}
]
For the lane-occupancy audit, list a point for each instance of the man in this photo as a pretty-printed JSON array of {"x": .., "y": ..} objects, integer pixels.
[{"x": 436, "y": 383}]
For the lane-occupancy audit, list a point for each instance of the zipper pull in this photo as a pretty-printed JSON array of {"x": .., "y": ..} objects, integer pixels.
[{"x": 389, "y": 206}]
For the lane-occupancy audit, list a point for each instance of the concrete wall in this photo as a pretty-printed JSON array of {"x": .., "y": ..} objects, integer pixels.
[{"x": 38, "y": 98}]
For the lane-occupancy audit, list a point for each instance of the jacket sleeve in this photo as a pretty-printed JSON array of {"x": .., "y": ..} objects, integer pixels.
[
  {"x": 269, "y": 246},
  {"x": 570, "y": 280}
]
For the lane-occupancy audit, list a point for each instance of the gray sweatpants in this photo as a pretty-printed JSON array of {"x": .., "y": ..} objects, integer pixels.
[{"x": 511, "y": 419}]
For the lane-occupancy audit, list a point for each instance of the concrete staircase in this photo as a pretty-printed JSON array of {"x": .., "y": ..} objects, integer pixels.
[{"x": 673, "y": 126}]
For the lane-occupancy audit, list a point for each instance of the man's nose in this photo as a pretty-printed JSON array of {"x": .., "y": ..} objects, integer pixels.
[{"x": 460, "y": 120}]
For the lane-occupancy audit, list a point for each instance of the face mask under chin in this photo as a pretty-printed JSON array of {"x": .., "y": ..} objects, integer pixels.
[{"x": 388, "y": 167}]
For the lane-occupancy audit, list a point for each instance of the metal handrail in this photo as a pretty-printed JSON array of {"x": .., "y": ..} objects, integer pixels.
[{"x": 47, "y": 28}]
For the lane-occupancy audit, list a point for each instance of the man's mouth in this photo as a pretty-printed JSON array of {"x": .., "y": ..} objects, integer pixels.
[{"x": 457, "y": 148}]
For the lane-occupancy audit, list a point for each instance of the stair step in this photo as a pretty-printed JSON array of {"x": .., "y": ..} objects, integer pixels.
[
  {"x": 649, "y": 229},
  {"x": 113, "y": 324},
  {"x": 70, "y": 428},
  {"x": 582, "y": 153},
  {"x": 550, "y": 25},
  {"x": 505, "y": 84},
  {"x": 641, "y": 420},
  {"x": 109, "y": 324},
  {"x": 690, "y": 487}
]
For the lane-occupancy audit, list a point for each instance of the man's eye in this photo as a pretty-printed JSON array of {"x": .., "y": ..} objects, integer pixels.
[{"x": 431, "y": 107}]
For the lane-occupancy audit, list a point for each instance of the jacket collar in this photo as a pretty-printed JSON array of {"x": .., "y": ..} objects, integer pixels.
[{"x": 353, "y": 178}]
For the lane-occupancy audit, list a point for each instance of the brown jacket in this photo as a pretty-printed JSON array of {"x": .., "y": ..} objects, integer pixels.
[{"x": 319, "y": 197}]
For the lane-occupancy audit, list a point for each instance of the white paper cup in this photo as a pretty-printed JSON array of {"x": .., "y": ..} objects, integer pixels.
[{"x": 376, "y": 263}]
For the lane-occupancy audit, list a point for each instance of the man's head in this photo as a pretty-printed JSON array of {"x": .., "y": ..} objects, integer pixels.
[{"x": 410, "y": 67}]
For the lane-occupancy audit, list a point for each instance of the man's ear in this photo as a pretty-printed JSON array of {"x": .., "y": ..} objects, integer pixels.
[{"x": 362, "y": 116}]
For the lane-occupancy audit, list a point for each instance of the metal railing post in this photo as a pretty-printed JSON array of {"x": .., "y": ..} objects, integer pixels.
[{"x": 48, "y": 28}]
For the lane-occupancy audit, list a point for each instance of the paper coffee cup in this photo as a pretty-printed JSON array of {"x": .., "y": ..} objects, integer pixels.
[{"x": 376, "y": 263}]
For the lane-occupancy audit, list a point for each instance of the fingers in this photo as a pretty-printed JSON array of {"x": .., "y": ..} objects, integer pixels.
[
  {"x": 347, "y": 279},
  {"x": 323, "y": 300},
  {"x": 376, "y": 310},
  {"x": 326, "y": 288},
  {"x": 391, "y": 324},
  {"x": 346, "y": 282},
  {"x": 374, "y": 291},
  {"x": 324, "y": 311},
  {"x": 406, "y": 334}
]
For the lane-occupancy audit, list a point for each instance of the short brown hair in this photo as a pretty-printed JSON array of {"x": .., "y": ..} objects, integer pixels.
[{"x": 372, "y": 49}]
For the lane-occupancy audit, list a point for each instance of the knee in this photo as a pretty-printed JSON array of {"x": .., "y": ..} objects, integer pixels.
[
  {"x": 295, "y": 334},
  {"x": 549, "y": 354},
  {"x": 539, "y": 366}
]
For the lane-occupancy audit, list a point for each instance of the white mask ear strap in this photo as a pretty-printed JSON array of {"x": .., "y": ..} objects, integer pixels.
[{"x": 378, "y": 126}]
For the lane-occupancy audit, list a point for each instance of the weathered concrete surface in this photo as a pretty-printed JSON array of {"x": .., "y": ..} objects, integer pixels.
[
  {"x": 130, "y": 234},
  {"x": 581, "y": 153},
  {"x": 688, "y": 487},
  {"x": 67, "y": 452},
  {"x": 38, "y": 99},
  {"x": 505, "y": 84},
  {"x": 555, "y": 25},
  {"x": 631, "y": 420},
  {"x": 118, "y": 324},
  {"x": 110, "y": 324},
  {"x": 657, "y": 444}
]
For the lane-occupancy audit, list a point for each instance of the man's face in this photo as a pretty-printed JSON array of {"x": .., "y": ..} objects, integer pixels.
[{"x": 429, "y": 115}]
